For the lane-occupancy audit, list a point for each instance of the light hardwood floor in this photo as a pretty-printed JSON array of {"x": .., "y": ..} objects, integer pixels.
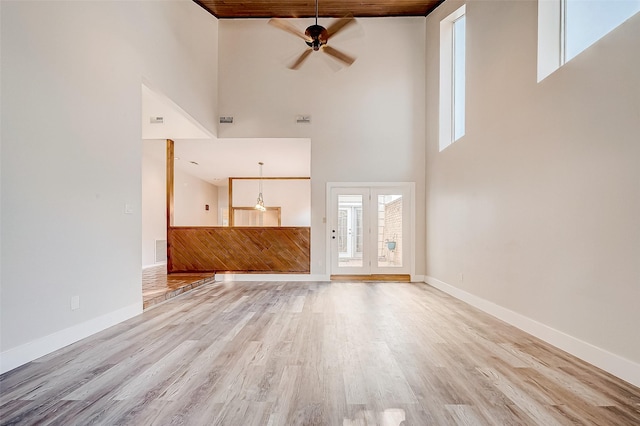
[{"x": 314, "y": 353}]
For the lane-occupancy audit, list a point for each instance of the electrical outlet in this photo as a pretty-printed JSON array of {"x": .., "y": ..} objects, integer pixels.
[
  {"x": 461, "y": 277},
  {"x": 75, "y": 303}
]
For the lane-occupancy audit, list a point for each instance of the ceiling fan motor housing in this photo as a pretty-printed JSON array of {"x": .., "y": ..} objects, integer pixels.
[{"x": 318, "y": 35}]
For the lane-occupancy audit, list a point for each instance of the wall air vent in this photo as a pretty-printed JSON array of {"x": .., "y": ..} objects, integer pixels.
[
  {"x": 161, "y": 251},
  {"x": 156, "y": 120},
  {"x": 303, "y": 119},
  {"x": 226, "y": 120}
]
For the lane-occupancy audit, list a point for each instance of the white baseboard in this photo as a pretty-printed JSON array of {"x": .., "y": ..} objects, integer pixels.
[
  {"x": 15, "y": 357},
  {"x": 153, "y": 265},
  {"x": 272, "y": 277},
  {"x": 620, "y": 367},
  {"x": 417, "y": 278}
]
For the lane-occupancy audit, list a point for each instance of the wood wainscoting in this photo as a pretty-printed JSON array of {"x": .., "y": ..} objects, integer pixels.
[{"x": 245, "y": 249}]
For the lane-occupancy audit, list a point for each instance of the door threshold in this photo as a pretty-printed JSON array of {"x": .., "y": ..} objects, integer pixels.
[{"x": 403, "y": 278}]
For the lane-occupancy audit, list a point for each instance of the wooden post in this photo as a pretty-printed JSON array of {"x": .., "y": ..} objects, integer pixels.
[
  {"x": 231, "y": 202},
  {"x": 170, "y": 179},
  {"x": 170, "y": 172}
]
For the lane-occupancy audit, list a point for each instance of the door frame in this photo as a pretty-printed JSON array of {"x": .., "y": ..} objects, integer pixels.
[{"x": 412, "y": 217}]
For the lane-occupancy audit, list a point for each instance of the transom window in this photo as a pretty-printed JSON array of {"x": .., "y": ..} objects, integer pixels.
[{"x": 568, "y": 27}]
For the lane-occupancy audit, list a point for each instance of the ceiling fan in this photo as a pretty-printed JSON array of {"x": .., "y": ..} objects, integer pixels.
[{"x": 316, "y": 37}]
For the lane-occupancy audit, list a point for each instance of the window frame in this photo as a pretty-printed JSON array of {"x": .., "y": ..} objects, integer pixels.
[
  {"x": 448, "y": 106},
  {"x": 552, "y": 36}
]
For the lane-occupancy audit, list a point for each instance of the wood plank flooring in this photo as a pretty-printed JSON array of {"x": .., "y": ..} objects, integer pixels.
[
  {"x": 158, "y": 286},
  {"x": 351, "y": 354}
]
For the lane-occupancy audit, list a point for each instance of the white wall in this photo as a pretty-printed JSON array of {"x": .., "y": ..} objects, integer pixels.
[
  {"x": 223, "y": 204},
  {"x": 367, "y": 120},
  {"x": 539, "y": 204},
  {"x": 292, "y": 196},
  {"x": 71, "y": 155},
  {"x": 190, "y": 197},
  {"x": 154, "y": 197}
]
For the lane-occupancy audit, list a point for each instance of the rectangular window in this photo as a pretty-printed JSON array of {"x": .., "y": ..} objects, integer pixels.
[
  {"x": 588, "y": 21},
  {"x": 452, "y": 77},
  {"x": 567, "y": 27},
  {"x": 458, "y": 77}
]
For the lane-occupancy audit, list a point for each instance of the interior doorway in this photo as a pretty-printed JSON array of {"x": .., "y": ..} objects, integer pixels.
[{"x": 370, "y": 229}]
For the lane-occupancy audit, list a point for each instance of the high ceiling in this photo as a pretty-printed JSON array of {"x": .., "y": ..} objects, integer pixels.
[{"x": 226, "y": 9}]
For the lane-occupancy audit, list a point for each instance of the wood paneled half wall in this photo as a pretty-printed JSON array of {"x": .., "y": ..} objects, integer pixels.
[{"x": 246, "y": 249}]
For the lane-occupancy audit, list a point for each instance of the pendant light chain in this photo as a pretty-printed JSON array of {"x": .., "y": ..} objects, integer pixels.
[{"x": 260, "y": 203}]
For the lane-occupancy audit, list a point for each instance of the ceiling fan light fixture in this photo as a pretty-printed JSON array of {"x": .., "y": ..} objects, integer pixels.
[{"x": 316, "y": 37}]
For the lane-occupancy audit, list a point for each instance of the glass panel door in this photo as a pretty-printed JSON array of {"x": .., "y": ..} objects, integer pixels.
[
  {"x": 392, "y": 220},
  {"x": 349, "y": 233},
  {"x": 370, "y": 230},
  {"x": 389, "y": 231},
  {"x": 350, "y": 230}
]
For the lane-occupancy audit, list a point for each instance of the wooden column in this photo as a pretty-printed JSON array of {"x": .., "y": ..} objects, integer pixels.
[
  {"x": 170, "y": 171},
  {"x": 170, "y": 178},
  {"x": 231, "y": 223}
]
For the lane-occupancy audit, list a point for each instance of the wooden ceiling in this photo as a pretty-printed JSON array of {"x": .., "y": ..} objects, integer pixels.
[{"x": 228, "y": 9}]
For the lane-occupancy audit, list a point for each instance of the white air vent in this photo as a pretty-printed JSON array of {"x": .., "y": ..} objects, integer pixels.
[
  {"x": 226, "y": 120},
  {"x": 303, "y": 119},
  {"x": 161, "y": 251},
  {"x": 156, "y": 120}
]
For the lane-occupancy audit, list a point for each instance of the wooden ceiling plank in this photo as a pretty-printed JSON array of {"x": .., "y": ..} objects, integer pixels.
[{"x": 230, "y": 9}]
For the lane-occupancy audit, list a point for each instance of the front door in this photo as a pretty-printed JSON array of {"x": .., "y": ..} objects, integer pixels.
[{"x": 370, "y": 229}]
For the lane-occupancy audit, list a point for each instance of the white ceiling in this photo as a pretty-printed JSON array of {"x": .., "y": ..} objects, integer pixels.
[{"x": 219, "y": 159}]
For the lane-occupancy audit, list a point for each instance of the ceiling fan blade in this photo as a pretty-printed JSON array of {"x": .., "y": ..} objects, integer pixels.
[
  {"x": 301, "y": 59},
  {"x": 339, "y": 25},
  {"x": 342, "y": 57},
  {"x": 290, "y": 28}
]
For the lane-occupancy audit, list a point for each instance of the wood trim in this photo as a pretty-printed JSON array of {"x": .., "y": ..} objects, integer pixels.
[
  {"x": 170, "y": 180},
  {"x": 230, "y": 214},
  {"x": 231, "y": 179},
  {"x": 403, "y": 278},
  {"x": 170, "y": 172}
]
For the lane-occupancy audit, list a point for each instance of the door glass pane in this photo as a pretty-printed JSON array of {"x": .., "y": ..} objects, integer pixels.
[
  {"x": 359, "y": 230},
  {"x": 342, "y": 231},
  {"x": 350, "y": 230},
  {"x": 389, "y": 230}
]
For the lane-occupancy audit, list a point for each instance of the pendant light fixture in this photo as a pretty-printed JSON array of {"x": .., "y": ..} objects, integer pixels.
[{"x": 260, "y": 203}]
